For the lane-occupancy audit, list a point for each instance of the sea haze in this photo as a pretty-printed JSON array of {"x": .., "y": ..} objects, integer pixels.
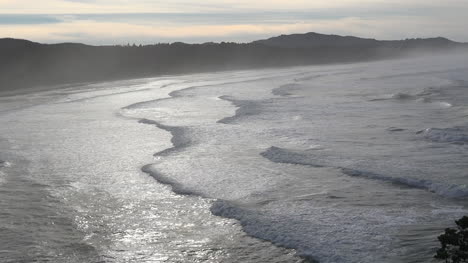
[{"x": 363, "y": 162}]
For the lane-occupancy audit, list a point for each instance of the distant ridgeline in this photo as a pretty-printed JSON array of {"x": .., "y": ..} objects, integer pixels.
[{"x": 25, "y": 64}]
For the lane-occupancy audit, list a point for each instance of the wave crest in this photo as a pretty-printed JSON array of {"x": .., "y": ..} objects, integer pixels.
[
  {"x": 457, "y": 135},
  {"x": 279, "y": 155},
  {"x": 4, "y": 164}
]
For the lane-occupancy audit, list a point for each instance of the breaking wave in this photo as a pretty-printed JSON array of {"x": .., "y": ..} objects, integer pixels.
[
  {"x": 179, "y": 140},
  {"x": 177, "y": 187},
  {"x": 286, "y": 90},
  {"x": 4, "y": 164},
  {"x": 279, "y": 155},
  {"x": 456, "y": 135},
  {"x": 261, "y": 227},
  {"x": 402, "y": 96},
  {"x": 245, "y": 108}
]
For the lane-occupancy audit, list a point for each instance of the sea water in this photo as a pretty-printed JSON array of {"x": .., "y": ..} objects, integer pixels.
[{"x": 362, "y": 162}]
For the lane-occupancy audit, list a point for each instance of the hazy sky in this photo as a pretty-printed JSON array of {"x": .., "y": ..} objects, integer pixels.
[{"x": 153, "y": 21}]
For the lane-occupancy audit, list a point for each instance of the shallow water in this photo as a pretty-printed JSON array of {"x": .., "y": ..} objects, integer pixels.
[{"x": 343, "y": 163}]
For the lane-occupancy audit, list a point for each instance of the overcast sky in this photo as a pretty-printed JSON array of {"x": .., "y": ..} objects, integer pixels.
[{"x": 153, "y": 21}]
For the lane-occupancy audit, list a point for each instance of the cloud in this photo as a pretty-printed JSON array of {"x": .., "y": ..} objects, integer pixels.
[
  {"x": 69, "y": 31},
  {"x": 149, "y": 21},
  {"x": 188, "y": 6},
  {"x": 27, "y": 19},
  {"x": 92, "y": 32}
]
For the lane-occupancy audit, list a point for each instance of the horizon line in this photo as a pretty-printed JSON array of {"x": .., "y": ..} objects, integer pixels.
[{"x": 230, "y": 42}]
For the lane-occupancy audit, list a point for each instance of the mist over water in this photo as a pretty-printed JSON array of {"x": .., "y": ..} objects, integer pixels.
[{"x": 358, "y": 162}]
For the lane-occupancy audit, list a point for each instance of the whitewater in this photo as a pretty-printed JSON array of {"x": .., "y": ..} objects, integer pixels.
[{"x": 364, "y": 162}]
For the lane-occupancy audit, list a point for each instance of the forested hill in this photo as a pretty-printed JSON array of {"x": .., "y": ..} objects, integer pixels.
[
  {"x": 25, "y": 64},
  {"x": 315, "y": 40}
]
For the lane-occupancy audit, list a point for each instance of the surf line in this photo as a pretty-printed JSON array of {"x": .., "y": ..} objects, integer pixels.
[{"x": 180, "y": 141}]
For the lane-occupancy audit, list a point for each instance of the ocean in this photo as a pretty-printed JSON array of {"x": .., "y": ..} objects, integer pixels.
[{"x": 364, "y": 162}]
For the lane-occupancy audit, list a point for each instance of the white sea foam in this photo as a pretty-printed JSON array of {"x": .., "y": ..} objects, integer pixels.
[
  {"x": 4, "y": 164},
  {"x": 445, "y": 104},
  {"x": 280, "y": 155},
  {"x": 363, "y": 177},
  {"x": 424, "y": 100},
  {"x": 457, "y": 135},
  {"x": 326, "y": 207}
]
